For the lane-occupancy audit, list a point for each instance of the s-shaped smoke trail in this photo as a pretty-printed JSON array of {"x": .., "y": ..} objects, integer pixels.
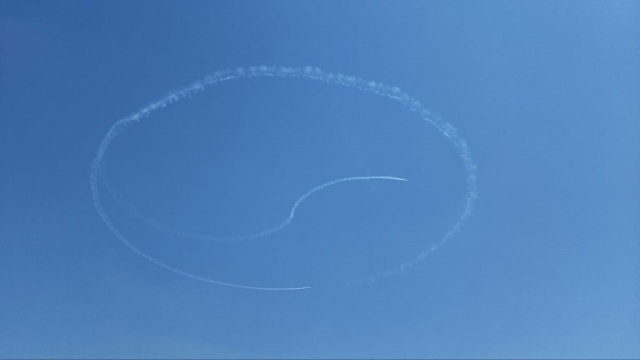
[
  {"x": 309, "y": 73},
  {"x": 186, "y": 234}
]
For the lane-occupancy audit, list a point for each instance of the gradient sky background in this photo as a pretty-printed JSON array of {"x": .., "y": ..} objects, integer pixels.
[{"x": 545, "y": 93}]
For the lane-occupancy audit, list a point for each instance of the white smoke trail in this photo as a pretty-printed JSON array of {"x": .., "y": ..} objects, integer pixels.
[
  {"x": 189, "y": 235},
  {"x": 312, "y": 73}
]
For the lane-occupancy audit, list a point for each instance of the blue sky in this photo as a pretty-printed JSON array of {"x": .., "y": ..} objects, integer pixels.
[{"x": 545, "y": 94}]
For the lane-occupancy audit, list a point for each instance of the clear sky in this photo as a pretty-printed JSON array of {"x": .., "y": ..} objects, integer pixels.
[{"x": 544, "y": 93}]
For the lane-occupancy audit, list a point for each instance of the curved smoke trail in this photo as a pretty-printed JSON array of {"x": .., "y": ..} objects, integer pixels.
[
  {"x": 190, "y": 235},
  {"x": 312, "y": 73}
]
